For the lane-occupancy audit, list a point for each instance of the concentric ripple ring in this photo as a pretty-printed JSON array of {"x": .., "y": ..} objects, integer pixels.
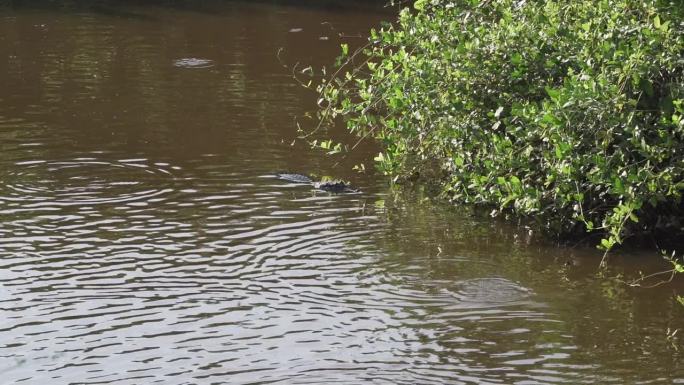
[{"x": 84, "y": 181}]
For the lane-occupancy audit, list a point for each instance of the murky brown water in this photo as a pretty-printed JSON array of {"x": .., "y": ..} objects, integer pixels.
[{"x": 143, "y": 238}]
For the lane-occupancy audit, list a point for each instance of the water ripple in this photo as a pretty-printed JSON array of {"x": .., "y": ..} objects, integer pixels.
[
  {"x": 39, "y": 184},
  {"x": 289, "y": 289}
]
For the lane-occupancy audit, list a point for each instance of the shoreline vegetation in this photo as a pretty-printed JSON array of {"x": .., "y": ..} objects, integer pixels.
[{"x": 569, "y": 115}]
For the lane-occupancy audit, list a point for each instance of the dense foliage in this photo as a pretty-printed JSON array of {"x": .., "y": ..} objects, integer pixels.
[{"x": 567, "y": 112}]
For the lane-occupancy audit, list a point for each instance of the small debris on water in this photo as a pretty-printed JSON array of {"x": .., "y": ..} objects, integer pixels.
[
  {"x": 295, "y": 30},
  {"x": 193, "y": 62}
]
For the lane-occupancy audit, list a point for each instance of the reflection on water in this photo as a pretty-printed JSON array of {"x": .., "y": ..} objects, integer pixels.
[{"x": 144, "y": 237}]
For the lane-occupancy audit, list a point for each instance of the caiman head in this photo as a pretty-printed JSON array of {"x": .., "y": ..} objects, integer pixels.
[{"x": 333, "y": 186}]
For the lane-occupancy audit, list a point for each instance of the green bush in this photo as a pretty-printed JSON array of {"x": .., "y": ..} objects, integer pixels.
[{"x": 567, "y": 112}]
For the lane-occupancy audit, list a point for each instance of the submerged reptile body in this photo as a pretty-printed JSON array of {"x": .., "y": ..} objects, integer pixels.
[
  {"x": 337, "y": 186},
  {"x": 295, "y": 178}
]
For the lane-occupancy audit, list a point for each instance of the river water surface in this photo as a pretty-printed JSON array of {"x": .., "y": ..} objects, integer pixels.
[{"x": 144, "y": 238}]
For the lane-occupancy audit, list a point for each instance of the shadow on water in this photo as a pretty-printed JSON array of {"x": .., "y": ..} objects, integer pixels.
[{"x": 487, "y": 266}]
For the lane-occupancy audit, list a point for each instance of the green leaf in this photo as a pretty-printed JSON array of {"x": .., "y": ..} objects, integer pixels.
[
  {"x": 646, "y": 86},
  {"x": 553, "y": 94},
  {"x": 618, "y": 187},
  {"x": 606, "y": 244},
  {"x": 559, "y": 152},
  {"x": 665, "y": 26},
  {"x": 516, "y": 58}
]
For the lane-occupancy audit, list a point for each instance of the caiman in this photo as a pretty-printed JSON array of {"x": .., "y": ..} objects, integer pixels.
[{"x": 336, "y": 186}]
